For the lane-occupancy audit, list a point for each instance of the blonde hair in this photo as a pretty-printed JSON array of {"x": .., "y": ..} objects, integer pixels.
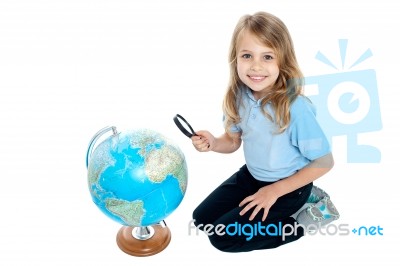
[{"x": 272, "y": 32}]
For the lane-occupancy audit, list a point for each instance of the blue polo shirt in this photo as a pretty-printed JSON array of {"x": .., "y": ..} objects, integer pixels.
[{"x": 271, "y": 156}]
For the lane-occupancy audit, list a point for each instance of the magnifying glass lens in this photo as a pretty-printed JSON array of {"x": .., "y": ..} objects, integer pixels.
[{"x": 184, "y": 126}]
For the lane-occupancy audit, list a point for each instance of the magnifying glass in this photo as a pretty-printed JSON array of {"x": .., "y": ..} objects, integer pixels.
[{"x": 184, "y": 126}]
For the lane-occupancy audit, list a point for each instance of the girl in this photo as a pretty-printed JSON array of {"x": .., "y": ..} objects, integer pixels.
[{"x": 285, "y": 149}]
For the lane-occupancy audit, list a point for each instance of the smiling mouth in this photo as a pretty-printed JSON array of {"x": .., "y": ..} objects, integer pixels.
[{"x": 257, "y": 78}]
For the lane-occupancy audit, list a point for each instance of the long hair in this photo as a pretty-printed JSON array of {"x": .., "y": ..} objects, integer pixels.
[{"x": 272, "y": 32}]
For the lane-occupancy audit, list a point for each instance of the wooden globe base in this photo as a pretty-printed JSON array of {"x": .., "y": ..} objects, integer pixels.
[{"x": 142, "y": 248}]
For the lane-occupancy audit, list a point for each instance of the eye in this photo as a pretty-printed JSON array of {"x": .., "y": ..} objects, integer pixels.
[
  {"x": 246, "y": 56},
  {"x": 268, "y": 57}
]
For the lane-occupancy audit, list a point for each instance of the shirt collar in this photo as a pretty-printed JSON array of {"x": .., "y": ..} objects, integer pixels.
[{"x": 251, "y": 96}]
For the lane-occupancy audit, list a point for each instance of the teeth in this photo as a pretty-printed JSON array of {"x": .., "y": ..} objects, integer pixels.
[{"x": 256, "y": 78}]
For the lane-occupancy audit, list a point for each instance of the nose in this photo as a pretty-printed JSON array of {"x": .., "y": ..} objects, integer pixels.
[{"x": 256, "y": 66}]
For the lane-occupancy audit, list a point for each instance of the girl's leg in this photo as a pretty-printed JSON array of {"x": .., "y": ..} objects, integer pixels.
[
  {"x": 221, "y": 208},
  {"x": 279, "y": 228},
  {"x": 225, "y": 198}
]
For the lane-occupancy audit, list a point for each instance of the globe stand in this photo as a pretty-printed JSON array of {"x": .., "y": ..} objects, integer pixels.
[{"x": 145, "y": 240}]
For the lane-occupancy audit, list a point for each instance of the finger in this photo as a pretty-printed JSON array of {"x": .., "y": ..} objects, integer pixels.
[
  {"x": 196, "y": 142},
  {"x": 203, "y": 146},
  {"x": 196, "y": 138},
  {"x": 255, "y": 212},
  {"x": 208, "y": 145},
  {"x": 265, "y": 214},
  {"x": 243, "y": 202},
  {"x": 200, "y": 141},
  {"x": 200, "y": 144},
  {"x": 247, "y": 208}
]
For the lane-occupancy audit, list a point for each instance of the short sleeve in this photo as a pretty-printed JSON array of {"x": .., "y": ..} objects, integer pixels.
[
  {"x": 305, "y": 131},
  {"x": 233, "y": 128}
]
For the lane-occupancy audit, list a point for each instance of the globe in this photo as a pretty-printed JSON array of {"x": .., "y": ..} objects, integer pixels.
[{"x": 137, "y": 178}]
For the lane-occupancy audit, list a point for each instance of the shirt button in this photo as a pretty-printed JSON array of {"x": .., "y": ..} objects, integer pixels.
[{"x": 253, "y": 116}]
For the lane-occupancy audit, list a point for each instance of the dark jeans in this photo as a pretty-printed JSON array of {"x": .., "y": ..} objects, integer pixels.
[{"x": 222, "y": 207}]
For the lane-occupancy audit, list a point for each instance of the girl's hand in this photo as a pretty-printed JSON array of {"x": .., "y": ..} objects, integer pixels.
[
  {"x": 264, "y": 198},
  {"x": 204, "y": 141}
]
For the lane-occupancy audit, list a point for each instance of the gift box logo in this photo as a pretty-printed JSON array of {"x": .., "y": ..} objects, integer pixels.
[{"x": 347, "y": 104}]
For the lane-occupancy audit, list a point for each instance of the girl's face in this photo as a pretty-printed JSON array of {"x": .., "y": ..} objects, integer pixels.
[{"x": 257, "y": 65}]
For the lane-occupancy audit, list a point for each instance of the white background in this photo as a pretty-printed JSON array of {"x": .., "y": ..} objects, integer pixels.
[{"x": 69, "y": 68}]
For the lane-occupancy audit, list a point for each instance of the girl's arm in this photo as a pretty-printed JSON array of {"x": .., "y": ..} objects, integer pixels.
[
  {"x": 226, "y": 143},
  {"x": 308, "y": 174},
  {"x": 266, "y": 196}
]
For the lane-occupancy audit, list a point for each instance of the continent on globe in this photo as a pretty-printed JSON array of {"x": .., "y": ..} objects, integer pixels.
[{"x": 130, "y": 212}]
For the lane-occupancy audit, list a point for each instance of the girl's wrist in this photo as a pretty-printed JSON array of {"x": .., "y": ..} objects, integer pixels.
[{"x": 278, "y": 189}]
